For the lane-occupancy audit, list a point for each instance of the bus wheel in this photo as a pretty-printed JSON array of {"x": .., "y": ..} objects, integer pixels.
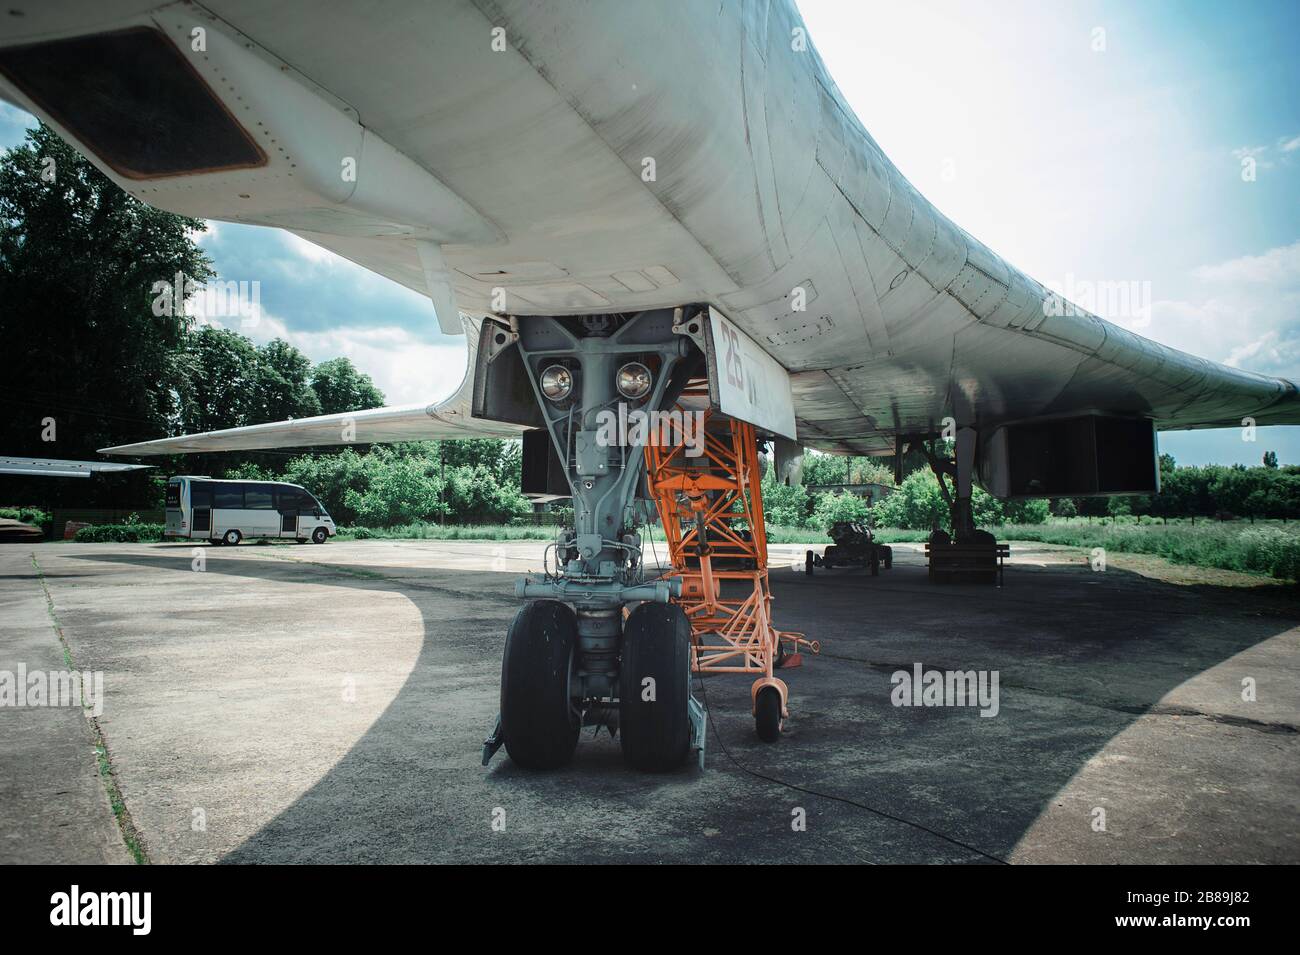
[
  {"x": 232, "y": 537},
  {"x": 319, "y": 535}
]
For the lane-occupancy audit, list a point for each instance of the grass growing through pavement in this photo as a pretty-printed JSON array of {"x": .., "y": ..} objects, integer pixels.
[{"x": 125, "y": 825}]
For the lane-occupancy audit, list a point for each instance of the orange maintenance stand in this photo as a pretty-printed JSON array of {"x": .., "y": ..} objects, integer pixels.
[{"x": 711, "y": 508}]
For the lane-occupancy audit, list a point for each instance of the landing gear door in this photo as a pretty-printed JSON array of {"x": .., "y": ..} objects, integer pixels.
[{"x": 745, "y": 382}]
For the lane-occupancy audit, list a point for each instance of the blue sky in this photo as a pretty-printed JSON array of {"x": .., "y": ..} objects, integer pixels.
[{"x": 1082, "y": 141}]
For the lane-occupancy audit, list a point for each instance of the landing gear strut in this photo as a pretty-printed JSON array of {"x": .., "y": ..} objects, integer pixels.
[{"x": 598, "y": 644}]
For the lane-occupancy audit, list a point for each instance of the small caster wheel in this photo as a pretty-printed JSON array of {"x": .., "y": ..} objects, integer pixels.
[{"x": 767, "y": 714}]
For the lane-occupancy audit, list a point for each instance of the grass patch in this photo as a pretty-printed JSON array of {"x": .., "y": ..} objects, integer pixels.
[
  {"x": 1269, "y": 549},
  {"x": 449, "y": 532},
  {"x": 125, "y": 824}
]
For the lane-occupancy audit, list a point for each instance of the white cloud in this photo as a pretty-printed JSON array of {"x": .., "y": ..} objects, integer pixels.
[
  {"x": 310, "y": 251},
  {"x": 406, "y": 369},
  {"x": 1263, "y": 154},
  {"x": 204, "y": 236},
  {"x": 1249, "y": 317},
  {"x": 1279, "y": 267},
  {"x": 1257, "y": 153}
]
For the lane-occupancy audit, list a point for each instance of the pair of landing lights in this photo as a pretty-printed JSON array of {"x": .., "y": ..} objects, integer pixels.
[{"x": 633, "y": 382}]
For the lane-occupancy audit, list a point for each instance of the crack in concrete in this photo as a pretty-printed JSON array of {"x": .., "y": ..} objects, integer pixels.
[{"x": 131, "y": 836}]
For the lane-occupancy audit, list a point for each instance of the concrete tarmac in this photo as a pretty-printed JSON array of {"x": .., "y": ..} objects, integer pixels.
[{"x": 328, "y": 703}]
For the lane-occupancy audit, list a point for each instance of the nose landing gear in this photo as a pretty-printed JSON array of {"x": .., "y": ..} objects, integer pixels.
[{"x": 598, "y": 644}]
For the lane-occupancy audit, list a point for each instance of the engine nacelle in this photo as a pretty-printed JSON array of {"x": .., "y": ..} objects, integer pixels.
[{"x": 1080, "y": 456}]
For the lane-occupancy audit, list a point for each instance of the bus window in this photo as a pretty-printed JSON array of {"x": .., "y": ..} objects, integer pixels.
[
  {"x": 257, "y": 497},
  {"x": 174, "y": 495},
  {"x": 200, "y": 495},
  {"x": 288, "y": 499},
  {"x": 228, "y": 497}
]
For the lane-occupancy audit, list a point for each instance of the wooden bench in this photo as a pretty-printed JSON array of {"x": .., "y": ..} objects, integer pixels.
[{"x": 976, "y": 563}]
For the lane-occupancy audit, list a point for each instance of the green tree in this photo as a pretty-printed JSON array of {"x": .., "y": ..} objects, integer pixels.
[
  {"x": 283, "y": 390},
  {"x": 340, "y": 387},
  {"x": 832, "y": 507},
  {"x": 1034, "y": 510},
  {"x": 79, "y": 263},
  {"x": 331, "y": 477},
  {"x": 223, "y": 380},
  {"x": 786, "y": 505},
  {"x": 820, "y": 469},
  {"x": 404, "y": 492},
  {"x": 474, "y": 494}
]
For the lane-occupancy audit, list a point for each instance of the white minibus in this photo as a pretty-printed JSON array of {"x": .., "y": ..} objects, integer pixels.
[{"x": 226, "y": 512}]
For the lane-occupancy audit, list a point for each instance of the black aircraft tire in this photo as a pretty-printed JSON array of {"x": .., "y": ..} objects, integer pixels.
[
  {"x": 539, "y": 726},
  {"x": 655, "y": 733},
  {"x": 767, "y": 714}
]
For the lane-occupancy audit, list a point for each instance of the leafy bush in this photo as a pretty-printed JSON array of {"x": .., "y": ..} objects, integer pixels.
[
  {"x": 424, "y": 531},
  {"x": 26, "y": 515},
  {"x": 915, "y": 504},
  {"x": 119, "y": 533},
  {"x": 832, "y": 507},
  {"x": 785, "y": 505},
  {"x": 475, "y": 494},
  {"x": 402, "y": 491}
]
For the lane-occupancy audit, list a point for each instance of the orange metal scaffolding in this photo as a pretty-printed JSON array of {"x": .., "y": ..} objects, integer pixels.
[{"x": 711, "y": 508}]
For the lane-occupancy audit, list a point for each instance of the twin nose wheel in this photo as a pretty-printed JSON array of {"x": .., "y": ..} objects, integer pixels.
[
  {"x": 541, "y": 712},
  {"x": 542, "y": 706}
]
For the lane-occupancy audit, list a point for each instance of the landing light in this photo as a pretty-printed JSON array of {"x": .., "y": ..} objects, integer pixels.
[
  {"x": 633, "y": 380},
  {"x": 557, "y": 382}
]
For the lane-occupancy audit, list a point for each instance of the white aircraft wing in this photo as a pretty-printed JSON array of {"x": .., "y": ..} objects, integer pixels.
[
  {"x": 446, "y": 419},
  {"x": 571, "y": 158},
  {"x": 58, "y": 467},
  {"x": 405, "y": 423}
]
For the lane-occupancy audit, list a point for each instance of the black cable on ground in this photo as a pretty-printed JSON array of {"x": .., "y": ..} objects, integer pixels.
[{"x": 717, "y": 733}]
